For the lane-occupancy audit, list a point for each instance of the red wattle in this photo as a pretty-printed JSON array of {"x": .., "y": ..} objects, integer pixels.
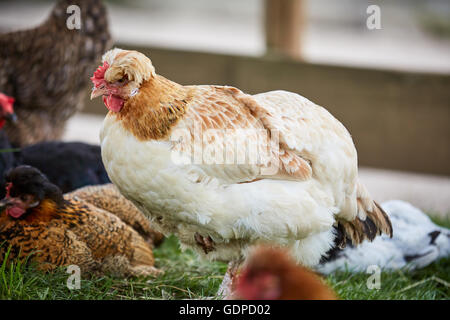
[
  {"x": 113, "y": 103},
  {"x": 15, "y": 212},
  {"x": 7, "y": 103}
]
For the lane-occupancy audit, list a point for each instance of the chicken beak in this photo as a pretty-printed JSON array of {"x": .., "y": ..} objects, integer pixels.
[{"x": 97, "y": 92}]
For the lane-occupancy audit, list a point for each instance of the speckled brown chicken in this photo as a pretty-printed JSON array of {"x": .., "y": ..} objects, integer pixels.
[
  {"x": 62, "y": 231},
  {"x": 46, "y": 69},
  {"x": 108, "y": 198}
]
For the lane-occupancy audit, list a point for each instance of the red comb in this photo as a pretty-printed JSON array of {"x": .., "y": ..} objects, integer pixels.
[
  {"x": 99, "y": 74},
  {"x": 4, "y": 97},
  {"x": 6, "y": 102}
]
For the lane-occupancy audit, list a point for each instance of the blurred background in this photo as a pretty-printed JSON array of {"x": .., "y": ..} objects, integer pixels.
[
  {"x": 390, "y": 86},
  {"x": 415, "y": 34}
]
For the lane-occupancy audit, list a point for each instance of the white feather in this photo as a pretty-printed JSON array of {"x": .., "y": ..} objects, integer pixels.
[
  {"x": 411, "y": 239},
  {"x": 187, "y": 198}
]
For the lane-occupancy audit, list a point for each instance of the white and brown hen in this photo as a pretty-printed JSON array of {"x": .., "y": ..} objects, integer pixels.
[{"x": 185, "y": 155}]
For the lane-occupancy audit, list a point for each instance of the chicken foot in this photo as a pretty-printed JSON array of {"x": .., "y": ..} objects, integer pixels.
[
  {"x": 227, "y": 286},
  {"x": 206, "y": 243}
]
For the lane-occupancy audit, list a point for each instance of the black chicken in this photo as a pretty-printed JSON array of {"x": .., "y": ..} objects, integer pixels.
[{"x": 69, "y": 165}]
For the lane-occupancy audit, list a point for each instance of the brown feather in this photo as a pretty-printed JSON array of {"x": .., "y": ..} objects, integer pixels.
[
  {"x": 161, "y": 104},
  {"x": 108, "y": 198},
  {"x": 358, "y": 230},
  {"x": 46, "y": 69},
  {"x": 79, "y": 233},
  {"x": 153, "y": 112}
]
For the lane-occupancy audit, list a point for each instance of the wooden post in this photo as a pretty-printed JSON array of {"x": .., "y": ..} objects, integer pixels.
[{"x": 283, "y": 23}]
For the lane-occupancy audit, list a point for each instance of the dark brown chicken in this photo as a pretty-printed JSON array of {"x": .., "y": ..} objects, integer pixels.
[
  {"x": 271, "y": 274},
  {"x": 62, "y": 231},
  {"x": 46, "y": 69}
]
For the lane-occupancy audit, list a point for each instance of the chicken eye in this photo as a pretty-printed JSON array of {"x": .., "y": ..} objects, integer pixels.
[{"x": 121, "y": 80}]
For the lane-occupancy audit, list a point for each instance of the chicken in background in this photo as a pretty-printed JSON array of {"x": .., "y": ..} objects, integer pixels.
[
  {"x": 294, "y": 196},
  {"x": 59, "y": 231},
  {"x": 69, "y": 165},
  {"x": 417, "y": 242},
  {"x": 108, "y": 198},
  {"x": 46, "y": 69},
  {"x": 7, "y": 156},
  {"x": 271, "y": 274}
]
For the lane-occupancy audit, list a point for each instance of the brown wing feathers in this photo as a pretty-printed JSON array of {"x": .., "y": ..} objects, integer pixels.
[
  {"x": 358, "y": 230},
  {"x": 108, "y": 198}
]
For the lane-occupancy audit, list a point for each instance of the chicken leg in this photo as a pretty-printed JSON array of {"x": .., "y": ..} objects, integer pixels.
[{"x": 227, "y": 286}]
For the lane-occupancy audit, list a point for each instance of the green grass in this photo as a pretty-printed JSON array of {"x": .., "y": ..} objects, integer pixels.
[
  {"x": 187, "y": 276},
  {"x": 426, "y": 283}
]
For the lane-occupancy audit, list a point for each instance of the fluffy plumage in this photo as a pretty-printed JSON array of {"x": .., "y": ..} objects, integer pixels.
[
  {"x": 108, "y": 198},
  {"x": 293, "y": 195},
  {"x": 69, "y": 165},
  {"x": 416, "y": 243},
  {"x": 46, "y": 69},
  {"x": 68, "y": 230}
]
